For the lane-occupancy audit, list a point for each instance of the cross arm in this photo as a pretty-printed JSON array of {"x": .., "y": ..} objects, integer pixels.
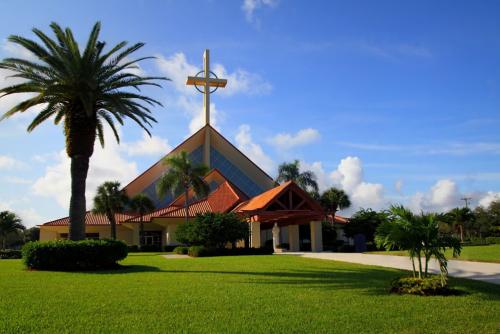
[{"x": 212, "y": 82}]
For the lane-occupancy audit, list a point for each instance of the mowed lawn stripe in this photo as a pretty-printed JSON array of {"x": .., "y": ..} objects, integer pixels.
[{"x": 258, "y": 294}]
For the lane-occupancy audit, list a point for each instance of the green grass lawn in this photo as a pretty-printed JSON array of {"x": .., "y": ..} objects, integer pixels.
[
  {"x": 490, "y": 253},
  {"x": 257, "y": 294}
]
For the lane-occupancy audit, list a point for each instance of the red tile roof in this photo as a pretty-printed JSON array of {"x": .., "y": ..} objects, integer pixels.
[
  {"x": 222, "y": 199},
  {"x": 91, "y": 219}
]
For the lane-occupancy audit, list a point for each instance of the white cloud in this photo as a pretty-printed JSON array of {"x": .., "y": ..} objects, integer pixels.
[
  {"x": 489, "y": 197},
  {"x": 7, "y": 162},
  {"x": 16, "y": 180},
  {"x": 153, "y": 145},
  {"x": 17, "y": 51},
  {"x": 29, "y": 216},
  {"x": 302, "y": 137},
  {"x": 254, "y": 151},
  {"x": 242, "y": 81},
  {"x": 250, "y": 6},
  {"x": 105, "y": 165},
  {"x": 442, "y": 196},
  {"x": 349, "y": 176}
]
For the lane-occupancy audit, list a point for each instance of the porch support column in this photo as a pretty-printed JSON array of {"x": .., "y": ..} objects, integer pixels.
[
  {"x": 170, "y": 240},
  {"x": 255, "y": 234},
  {"x": 135, "y": 235},
  {"x": 316, "y": 236},
  {"x": 293, "y": 238}
]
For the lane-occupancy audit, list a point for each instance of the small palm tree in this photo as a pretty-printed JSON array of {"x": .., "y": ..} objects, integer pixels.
[
  {"x": 84, "y": 89},
  {"x": 142, "y": 205},
  {"x": 290, "y": 171},
  {"x": 109, "y": 200},
  {"x": 9, "y": 223},
  {"x": 334, "y": 199},
  {"x": 420, "y": 236},
  {"x": 182, "y": 175}
]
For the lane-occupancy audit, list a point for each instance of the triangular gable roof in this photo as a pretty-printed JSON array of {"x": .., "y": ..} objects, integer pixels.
[
  {"x": 266, "y": 199},
  {"x": 194, "y": 141}
]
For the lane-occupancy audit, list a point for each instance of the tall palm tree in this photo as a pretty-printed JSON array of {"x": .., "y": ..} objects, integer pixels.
[
  {"x": 290, "y": 171},
  {"x": 84, "y": 89},
  {"x": 109, "y": 200},
  {"x": 142, "y": 205},
  {"x": 9, "y": 223},
  {"x": 182, "y": 175},
  {"x": 334, "y": 199}
]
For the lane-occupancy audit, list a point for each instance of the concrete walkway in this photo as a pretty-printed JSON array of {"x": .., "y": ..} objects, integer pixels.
[
  {"x": 176, "y": 256},
  {"x": 481, "y": 271}
]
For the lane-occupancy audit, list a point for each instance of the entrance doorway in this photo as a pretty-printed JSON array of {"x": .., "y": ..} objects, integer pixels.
[{"x": 304, "y": 238}]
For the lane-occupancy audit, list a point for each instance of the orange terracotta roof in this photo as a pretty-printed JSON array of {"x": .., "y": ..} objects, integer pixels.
[
  {"x": 339, "y": 219},
  {"x": 91, "y": 219},
  {"x": 222, "y": 199},
  {"x": 261, "y": 201}
]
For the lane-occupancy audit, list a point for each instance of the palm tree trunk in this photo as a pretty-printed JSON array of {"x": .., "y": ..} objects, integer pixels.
[
  {"x": 419, "y": 265},
  {"x": 427, "y": 259},
  {"x": 186, "y": 193},
  {"x": 4, "y": 242},
  {"x": 77, "y": 204},
  {"x": 413, "y": 265},
  {"x": 141, "y": 232},
  {"x": 461, "y": 228},
  {"x": 111, "y": 218}
]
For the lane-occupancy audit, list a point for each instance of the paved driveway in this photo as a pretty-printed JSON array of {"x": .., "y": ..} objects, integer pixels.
[{"x": 487, "y": 272}]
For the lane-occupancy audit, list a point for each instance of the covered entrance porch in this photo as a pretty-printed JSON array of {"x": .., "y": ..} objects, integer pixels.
[{"x": 285, "y": 216}]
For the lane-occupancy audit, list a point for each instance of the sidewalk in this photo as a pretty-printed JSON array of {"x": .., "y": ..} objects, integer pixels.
[{"x": 481, "y": 271}]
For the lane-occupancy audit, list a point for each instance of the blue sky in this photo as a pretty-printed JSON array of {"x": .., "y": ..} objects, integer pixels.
[{"x": 393, "y": 101}]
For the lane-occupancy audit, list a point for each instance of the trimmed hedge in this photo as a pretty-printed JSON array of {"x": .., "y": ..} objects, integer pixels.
[
  {"x": 150, "y": 248},
  {"x": 428, "y": 286},
  {"x": 181, "y": 250},
  {"x": 67, "y": 255},
  {"x": 10, "y": 254},
  {"x": 202, "y": 251}
]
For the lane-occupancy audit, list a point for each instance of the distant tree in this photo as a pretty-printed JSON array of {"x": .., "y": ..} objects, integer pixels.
[
  {"x": 142, "y": 205},
  {"x": 419, "y": 235},
  {"x": 459, "y": 218},
  {"x": 32, "y": 234},
  {"x": 365, "y": 221},
  {"x": 109, "y": 200},
  {"x": 290, "y": 171},
  {"x": 9, "y": 223},
  {"x": 334, "y": 199},
  {"x": 181, "y": 175},
  {"x": 213, "y": 230},
  {"x": 84, "y": 89}
]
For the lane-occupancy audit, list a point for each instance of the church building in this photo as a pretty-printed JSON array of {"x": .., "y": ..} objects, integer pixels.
[{"x": 236, "y": 185}]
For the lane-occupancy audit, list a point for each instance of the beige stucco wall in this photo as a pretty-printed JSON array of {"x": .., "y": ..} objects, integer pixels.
[{"x": 125, "y": 234}]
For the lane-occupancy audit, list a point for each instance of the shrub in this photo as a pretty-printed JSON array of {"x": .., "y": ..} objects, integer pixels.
[
  {"x": 213, "y": 230},
  {"x": 476, "y": 242},
  {"x": 150, "y": 248},
  {"x": 70, "y": 255},
  {"x": 10, "y": 254},
  {"x": 133, "y": 249},
  {"x": 200, "y": 251},
  {"x": 181, "y": 250},
  {"x": 493, "y": 240},
  {"x": 427, "y": 286},
  {"x": 283, "y": 246},
  {"x": 169, "y": 248}
]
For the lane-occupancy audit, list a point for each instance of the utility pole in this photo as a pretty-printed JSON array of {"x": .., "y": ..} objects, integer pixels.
[{"x": 466, "y": 200}]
